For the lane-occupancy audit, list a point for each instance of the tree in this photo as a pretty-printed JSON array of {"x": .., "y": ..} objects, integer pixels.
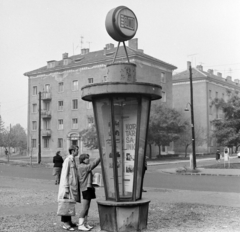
[
  {"x": 186, "y": 137},
  {"x": 18, "y": 137},
  {"x": 2, "y": 131},
  {"x": 165, "y": 126},
  {"x": 89, "y": 137},
  {"x": 227, "y": 129}
]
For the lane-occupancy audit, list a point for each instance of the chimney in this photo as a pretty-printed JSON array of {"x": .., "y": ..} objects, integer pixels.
[
  {"x": 210, "y": 71},
  {"x": 229, "y": 78},
  {"x": 133, "y": 44},
  {"x": 219, "y": 74},
  {"x": 65, "y": 55},
  {"x": 109, "y": 46},
  {"x": 104, "y": 51},
  {"x": 84, "y": 51},
  {"x": 200, "y": 67}
]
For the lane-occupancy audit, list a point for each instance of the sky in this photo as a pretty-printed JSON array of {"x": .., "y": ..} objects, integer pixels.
[{"x": 33, "y": 32}]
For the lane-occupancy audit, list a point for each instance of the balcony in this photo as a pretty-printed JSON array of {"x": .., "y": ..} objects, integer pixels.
[
  {"x": 46, "y": 133},
  {"x": 46, "y": 114},
  {"x": 46, "y": 96}
]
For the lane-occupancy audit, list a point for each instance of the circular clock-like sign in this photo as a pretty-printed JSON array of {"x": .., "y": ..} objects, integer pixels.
[{"x": 121, "y": 23}]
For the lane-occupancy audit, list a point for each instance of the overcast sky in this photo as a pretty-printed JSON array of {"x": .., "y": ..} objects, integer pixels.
[{"x": 33, "y": 32}]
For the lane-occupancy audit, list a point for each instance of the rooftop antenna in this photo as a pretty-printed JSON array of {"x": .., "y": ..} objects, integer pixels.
[
  {"x": 89, "y": 44},
  {"x": 81, "y": 42},
  {"x": 230, "y": 72},
  {"x": 192, "y": 57}
]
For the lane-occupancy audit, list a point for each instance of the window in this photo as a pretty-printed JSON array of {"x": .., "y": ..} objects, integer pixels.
[
  {"x": 60, "y": 105},
  {"x": 216, "y": 94},
  {"x": 74, "y": 123},
  {"x": 163, "y": 77},
  {"x": 34, "y": 108},
  {"x": 60, "y": 143},
  {"x": 75, "y": 85},
  {"x": 34, "y": 143},
  {"x": 46, "y": 106},
  {"x": 90, "y": 121},
  {"x": 60, "y": 124},
  {"x": 34, "y": 125},
  {"x": 75, "y": 104},
  {"x": 105, "y": 79},
  {"x": 163, "y": 97},
  {"x": 47, "y": 88},
  {"x": 46, "y": 124},
  {"x": 60, "y": 87},
  {"x": 46, "y": 142},
  {"x": 89, "y": 105},
  {"x": 210, "y": 94},
  {"x": 90, "y": 80},
  {"x": 34, "y": 90}
]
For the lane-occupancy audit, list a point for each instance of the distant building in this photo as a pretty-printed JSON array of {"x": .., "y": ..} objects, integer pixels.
[
  {"x": 206, "y": 87},
  {"x": 63, "y": 113}
]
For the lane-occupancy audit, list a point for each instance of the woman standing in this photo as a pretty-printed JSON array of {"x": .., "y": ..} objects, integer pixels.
[
  {"x": 69, "y": 185},
  {"x": 57, "y": 167},
  {"x": 85, "y": 174}
]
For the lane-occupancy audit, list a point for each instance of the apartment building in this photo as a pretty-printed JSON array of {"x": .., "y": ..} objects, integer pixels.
[
  {"x": 207, "y": 86},
  {"x": 56, "y": 90}
]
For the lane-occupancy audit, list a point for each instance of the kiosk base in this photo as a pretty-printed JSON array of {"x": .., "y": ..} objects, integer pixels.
[{"x": 123, "y": 216}]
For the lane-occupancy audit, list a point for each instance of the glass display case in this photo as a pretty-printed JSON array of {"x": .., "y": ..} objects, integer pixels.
[{"x": 122, "y": 126}]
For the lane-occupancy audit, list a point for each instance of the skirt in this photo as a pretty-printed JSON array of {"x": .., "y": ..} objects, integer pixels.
[{"x": 89, "y": 194}]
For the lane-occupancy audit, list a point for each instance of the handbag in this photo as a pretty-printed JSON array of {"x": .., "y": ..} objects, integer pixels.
[
  {"x": 97, "y": 180},
  {"x": 66, "y": 207}
]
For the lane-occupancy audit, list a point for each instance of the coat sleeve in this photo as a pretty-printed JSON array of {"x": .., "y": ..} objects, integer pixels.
[
  {"x": 65, "y": 173},
  {"x": 93, "y": 164}
]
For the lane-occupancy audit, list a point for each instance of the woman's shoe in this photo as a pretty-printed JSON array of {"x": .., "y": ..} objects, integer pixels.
[
  {"x": 83, "y": 228},
  {"x": 68, "y": 227},
  {"x": 81, "y": 225}
]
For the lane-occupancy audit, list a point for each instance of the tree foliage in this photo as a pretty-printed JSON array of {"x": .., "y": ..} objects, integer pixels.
[
  {"x": 89, "y": 137},
  {"x": 18, "y": 137},
  {"x": 186, "y": 137},
  {"x": 2, "y": 132},
  {"x": 227, "y": 129},
  {"x": 165, "y": 126}
]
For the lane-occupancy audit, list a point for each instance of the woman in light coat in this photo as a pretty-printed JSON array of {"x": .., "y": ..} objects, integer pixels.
[
  {"x": 69, "y": 184},
  {"x": 85, "y": 174}
]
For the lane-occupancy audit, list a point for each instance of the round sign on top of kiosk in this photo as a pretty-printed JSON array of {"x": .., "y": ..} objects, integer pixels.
[{"x": 121, "y": 23}]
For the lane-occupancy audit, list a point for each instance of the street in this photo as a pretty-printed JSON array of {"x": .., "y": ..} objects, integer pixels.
[{"x": 29, "y": 201}]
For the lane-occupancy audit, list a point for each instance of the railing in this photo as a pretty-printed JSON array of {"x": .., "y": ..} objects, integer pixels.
[
  {"x": 46, "y": 114},
  {"x": 46, "y": 96},
  {"x": 46, "y": 133}
]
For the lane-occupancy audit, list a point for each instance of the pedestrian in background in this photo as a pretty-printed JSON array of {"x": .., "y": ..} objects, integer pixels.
[
  {"x": 218, "y": 155},
  {"x": 85, "y": 175},
  {"x": 144, "y": 170},
  {"x": 69, "y": 185},
  {"x": 57, "y": 167}
]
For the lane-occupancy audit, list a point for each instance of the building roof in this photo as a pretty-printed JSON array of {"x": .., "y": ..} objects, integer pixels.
[
  {"x": 199, "y": 73},
  {"x": 101, "y": 56}
]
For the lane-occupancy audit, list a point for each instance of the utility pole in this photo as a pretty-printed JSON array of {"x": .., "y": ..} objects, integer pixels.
[
  {"x": 39, "y": 130},
  {"x": 192, "y": 115}
]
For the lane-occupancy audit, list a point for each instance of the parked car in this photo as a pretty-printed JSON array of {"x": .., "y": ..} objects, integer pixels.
[{"x": 238, "y": 154}]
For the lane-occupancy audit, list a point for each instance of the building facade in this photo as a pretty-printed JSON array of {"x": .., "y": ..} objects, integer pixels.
[
  {"x": 206, "y": 87},
  {"x": 54, "y": 94}
]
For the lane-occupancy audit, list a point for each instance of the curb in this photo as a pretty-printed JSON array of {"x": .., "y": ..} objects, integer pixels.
[{"x": 199, "y": 174}]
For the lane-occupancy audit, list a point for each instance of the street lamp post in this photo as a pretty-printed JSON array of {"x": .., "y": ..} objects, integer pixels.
[{"x": 192, "y": 115}]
